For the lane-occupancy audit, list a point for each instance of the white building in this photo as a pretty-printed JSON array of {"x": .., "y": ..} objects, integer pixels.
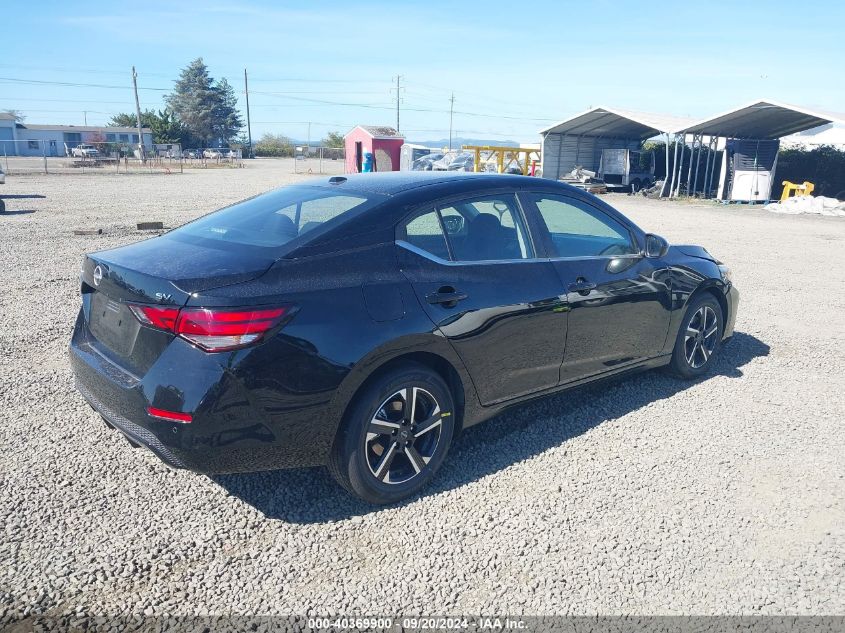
[
  {"x": 830, "y": 134},
  {"x": 21, "y": 139}
]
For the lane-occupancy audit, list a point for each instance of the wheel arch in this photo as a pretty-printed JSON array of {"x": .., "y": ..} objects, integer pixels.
[
  {"x": 713, "y": 288},
  {"x": 437, "y": 356}
]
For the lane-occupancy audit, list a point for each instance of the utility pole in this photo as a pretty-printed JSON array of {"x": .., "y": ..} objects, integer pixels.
[
  {"x": 398, "y": 91},
  {"x": 85, "y": 117},
  {"x": 248, "y": 126},
  {"x": 451, "y": 109},
  {"x": 138, "y": 112}
]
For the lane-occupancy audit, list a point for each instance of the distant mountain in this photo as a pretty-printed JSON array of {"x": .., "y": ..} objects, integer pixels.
[
  {"x": 444, "y": 142},
  {"x": 458, "y": 141}
]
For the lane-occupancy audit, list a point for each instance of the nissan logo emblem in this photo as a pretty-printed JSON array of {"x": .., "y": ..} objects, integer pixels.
[{"x": 98, "y": 275}]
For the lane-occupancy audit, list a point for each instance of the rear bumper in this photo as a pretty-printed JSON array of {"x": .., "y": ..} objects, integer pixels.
[
  {"x": 229, "y": 432},
  {"x": 120, "y": 400},
  {"x": 136, "y": 434}
]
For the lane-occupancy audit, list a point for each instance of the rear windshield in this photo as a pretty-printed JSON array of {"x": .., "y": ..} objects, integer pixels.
[{"x": 276, "y": 218}]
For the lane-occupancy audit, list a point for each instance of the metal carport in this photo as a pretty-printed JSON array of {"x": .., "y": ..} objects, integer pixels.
[
  {"x": 763, "y": 120},
  {"x": 579, "y": 141}
]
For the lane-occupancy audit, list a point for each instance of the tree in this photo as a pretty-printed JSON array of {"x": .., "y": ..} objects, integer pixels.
[
  {"x": 333, "y": 139},
  {"x": 273, "y": 145},
  {"x": 98, "y": 140},
  {"x": 164, "y": 125},
  {"x": 207, "y": 109},
  {"x": 124, "y": 119},
  {"x": 19, "y": 116},
  {"x": 166, "y": 128},
  {"x": 228, "y": 122}
]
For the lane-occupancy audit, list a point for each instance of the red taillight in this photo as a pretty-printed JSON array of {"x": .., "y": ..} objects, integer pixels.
[
  {"x": 217, "y": 330},
  {"x": 213, "y": 329},
  {"x": 173, "y": 416},
  {"x": 161, "y": 317}
]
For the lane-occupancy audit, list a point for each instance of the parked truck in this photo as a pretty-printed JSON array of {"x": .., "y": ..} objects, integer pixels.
[
  {"x": 626, "y": 168},
  {"x": 84, "y": 151}
]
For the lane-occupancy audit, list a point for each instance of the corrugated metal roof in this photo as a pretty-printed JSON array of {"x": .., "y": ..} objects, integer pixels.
[
  {"x": 86, "y": 128},
  {"x": 614, "y": 122},
  {"x": 764, "y": 119},
  {"x": 380, "y": 131}
]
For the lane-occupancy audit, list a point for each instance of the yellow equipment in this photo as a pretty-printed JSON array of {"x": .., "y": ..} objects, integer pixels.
[
  {"x": 504, "y": 157},
  {"x": 793, "y": 189}
]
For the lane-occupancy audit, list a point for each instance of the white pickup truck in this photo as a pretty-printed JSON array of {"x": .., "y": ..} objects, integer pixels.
[{"x": 84, "y": 151}]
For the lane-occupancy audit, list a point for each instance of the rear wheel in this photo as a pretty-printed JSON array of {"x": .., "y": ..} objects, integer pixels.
[
  {"x": 699, "y": 338},
  {"x": 395, "y": 435}
]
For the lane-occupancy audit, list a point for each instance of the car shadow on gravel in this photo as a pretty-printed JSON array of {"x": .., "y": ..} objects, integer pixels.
[{"x": 309, "y": 495}]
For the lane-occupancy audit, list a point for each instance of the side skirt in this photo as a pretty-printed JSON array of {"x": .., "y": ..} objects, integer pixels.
[{"x": 480, "y": 414}]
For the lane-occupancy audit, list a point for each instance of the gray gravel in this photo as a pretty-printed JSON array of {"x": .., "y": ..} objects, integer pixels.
[{"x": 646, "y": 496}]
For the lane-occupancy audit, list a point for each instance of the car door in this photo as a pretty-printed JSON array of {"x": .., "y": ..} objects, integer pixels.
[
  {"x": 475, "y": 272},
  {"x": 619, "y": 300}
]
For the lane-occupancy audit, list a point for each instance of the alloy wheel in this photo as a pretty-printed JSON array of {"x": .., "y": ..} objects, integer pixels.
[
  {"x": 403, "y": 435},
  {"x": 701, "y": 336}
]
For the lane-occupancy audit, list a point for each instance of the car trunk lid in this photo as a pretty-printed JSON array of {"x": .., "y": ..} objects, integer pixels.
[{"x": 158, "y": 271}]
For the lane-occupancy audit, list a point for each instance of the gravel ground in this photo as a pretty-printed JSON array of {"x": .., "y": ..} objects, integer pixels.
[{"x": 647, "y": 496}]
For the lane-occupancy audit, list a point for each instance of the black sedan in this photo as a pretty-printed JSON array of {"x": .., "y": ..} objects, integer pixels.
[{"x": 361, "y": 322}]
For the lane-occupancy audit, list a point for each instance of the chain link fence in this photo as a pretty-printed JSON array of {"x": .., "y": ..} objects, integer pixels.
[
  {"x": 49, "y": 157},
  {"x": 319, "y": 160}
]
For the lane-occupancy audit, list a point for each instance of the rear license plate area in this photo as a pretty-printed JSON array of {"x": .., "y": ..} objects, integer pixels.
[{"x": 112, "y": 323}]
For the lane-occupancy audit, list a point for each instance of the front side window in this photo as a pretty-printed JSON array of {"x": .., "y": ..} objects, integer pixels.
[
  {"x": 578, "y": 230},
  {"x": 487, "y": 228}
]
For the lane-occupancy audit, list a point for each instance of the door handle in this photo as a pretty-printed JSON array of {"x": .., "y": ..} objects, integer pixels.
[
  {"x": 582, "y": 286},
  {"x": 446, "y": 296}
]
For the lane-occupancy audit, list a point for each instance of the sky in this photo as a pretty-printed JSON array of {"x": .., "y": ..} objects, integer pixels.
[{"x": 514, "y": 67}]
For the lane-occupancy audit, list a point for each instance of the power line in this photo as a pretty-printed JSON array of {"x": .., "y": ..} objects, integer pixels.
[
  {"x": 38, "y": 82},
  {"x": 63, "y": 100}
]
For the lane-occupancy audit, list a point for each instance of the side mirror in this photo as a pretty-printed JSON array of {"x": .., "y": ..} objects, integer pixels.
[{"x": 655, "y": 246}]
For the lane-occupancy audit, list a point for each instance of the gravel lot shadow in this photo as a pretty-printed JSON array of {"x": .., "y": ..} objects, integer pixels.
[
  {"x": 21, "y": 212},
  {"x": 309, "y": 495}
]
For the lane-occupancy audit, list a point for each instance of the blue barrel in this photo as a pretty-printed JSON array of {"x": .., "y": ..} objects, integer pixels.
[{"x": 368, "y": 163}]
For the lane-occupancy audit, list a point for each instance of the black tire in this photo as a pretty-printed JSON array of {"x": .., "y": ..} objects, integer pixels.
[
  {"x": 697, "y": 345},
  {"x": 401, "y": 457},
  {"x": 2, "y": 206}
]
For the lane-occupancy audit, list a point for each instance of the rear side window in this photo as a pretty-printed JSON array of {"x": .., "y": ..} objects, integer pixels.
[
  {"x": 578, "y": 230},
  {"x": 472, "y": 230},
  {"x": 276, "y": 218},
  {"x": 425, "y": 233}
]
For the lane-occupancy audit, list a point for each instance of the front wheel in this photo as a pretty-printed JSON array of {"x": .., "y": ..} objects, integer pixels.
[
  {"x": 699, "y": 338},
  {"x": 395, "y": 436}
]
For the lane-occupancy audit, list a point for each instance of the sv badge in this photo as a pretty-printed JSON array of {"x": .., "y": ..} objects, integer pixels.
[{"x": 160, "y": 296}]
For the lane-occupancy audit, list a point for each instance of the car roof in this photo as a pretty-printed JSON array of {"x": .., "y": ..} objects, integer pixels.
[{"x": 395, "y": 182}]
